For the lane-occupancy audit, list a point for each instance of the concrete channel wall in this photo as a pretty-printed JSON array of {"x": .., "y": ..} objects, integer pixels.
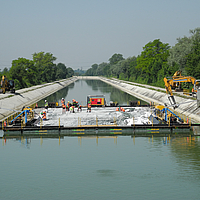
[
  {"x": 187, "y": 105},
  {"x": 10, "y": 103}
]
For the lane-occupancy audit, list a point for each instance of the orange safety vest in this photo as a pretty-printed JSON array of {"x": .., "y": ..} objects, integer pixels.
[{"x": 44, "y": 115}]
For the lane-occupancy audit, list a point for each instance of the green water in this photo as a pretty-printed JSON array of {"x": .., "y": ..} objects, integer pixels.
[{"x": 103, "y": 168}]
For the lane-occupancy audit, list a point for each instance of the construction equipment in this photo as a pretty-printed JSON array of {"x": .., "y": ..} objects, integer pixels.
[
  {"x": 179, "y": 79},
  {"x": 163, "y": 113},
  {"x": 7, "y": 85},
  {"x": 96, "y": 100},
  {"x": 23, "y": 115},
  {"x": 176, "y": 80},
  {"x": 176, "y": 85}
]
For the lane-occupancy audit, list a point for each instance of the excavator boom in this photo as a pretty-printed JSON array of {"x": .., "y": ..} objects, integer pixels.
[{"x": 169, "y": 91}]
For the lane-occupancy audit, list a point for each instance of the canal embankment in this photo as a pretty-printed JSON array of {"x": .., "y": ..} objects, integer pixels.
[
  {"x": 10, "y": 103},
  {"x": 187, "y": 105}
]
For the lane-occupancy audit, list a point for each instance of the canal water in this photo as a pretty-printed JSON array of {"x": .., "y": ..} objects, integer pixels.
[
  {"x": 99, "y": 167},
  {"x": 80, "y": 89}
]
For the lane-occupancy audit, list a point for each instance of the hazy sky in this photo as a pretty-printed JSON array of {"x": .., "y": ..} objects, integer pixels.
[{"x": 80, "y": 33}]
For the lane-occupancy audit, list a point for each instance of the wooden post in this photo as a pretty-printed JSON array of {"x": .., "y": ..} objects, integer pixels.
[{"x": 96, "y": 121}]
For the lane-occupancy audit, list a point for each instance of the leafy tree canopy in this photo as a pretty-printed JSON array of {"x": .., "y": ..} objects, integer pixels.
[{"x": 115, "y": 58}]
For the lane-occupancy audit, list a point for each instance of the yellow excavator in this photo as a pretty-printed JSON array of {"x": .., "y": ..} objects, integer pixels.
[
  {"x": 7, "y": 85},
  {"x": 176, "y": 85},
  {"x": 171, "y": 82}
]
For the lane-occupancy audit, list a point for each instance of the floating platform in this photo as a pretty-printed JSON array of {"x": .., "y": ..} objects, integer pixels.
[
  {"x": 102, "y": 121},
  {"x": 137, "y": 130}
]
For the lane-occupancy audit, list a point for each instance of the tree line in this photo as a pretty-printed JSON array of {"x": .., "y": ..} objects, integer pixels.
[
  {"x": 41, "y": 69},
  {"x": 156, "y": 61}
]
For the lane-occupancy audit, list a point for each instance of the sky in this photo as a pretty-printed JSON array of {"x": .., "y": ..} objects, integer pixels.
[{"x": 80, "y": 33}]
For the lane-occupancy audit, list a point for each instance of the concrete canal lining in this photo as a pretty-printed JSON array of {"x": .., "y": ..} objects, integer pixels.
[{"x": 9, "y": 103}]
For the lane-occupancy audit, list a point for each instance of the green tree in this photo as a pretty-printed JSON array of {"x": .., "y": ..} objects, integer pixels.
[
  {"x": 70, "y": 72},
  {"x": 22, "y": 72},
  {"x": 61, "y": 71},
  {"x": 45, "y": 66},
  {"x": 193, "y": 58},
  {"x": 178, "y": 53},
  {"x": 153, "y": 56},
  {"x": 183, "y": 50},
  {"x": 115, "y": 59},
  {"x": 100, "y": 69}
]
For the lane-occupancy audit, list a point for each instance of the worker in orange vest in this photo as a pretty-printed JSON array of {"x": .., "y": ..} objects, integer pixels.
[
  {"x": 44, "y": 115},
  {"x": 63, "y": 103}
]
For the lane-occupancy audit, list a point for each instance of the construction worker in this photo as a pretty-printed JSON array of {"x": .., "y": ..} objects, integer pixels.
[
  {"x": 67, "y": 107},
  {"x": 193, "y": 92},
  {"x": 72, "y": 109},
  {"x": 73, "y": 102},
  {"x": 89, "y": 107},
  {"x": 79, "y": 108},
  {"x": 46, "y": 105},
  {"x": 63, "y": 103},
  {"x": 76, "y": 104},
  {"x": 44, "y": 116}
]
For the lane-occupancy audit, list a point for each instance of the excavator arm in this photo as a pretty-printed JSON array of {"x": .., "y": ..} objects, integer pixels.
[{"x": 169, "y": 92}]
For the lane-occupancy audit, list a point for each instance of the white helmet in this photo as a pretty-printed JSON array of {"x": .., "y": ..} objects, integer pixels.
[{"x": 45, "y": 101}]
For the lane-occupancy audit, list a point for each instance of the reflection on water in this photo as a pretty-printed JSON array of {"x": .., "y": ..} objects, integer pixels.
[
  {"x": 100, "y": 168},
  {"x": 106, "y": 172}
]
